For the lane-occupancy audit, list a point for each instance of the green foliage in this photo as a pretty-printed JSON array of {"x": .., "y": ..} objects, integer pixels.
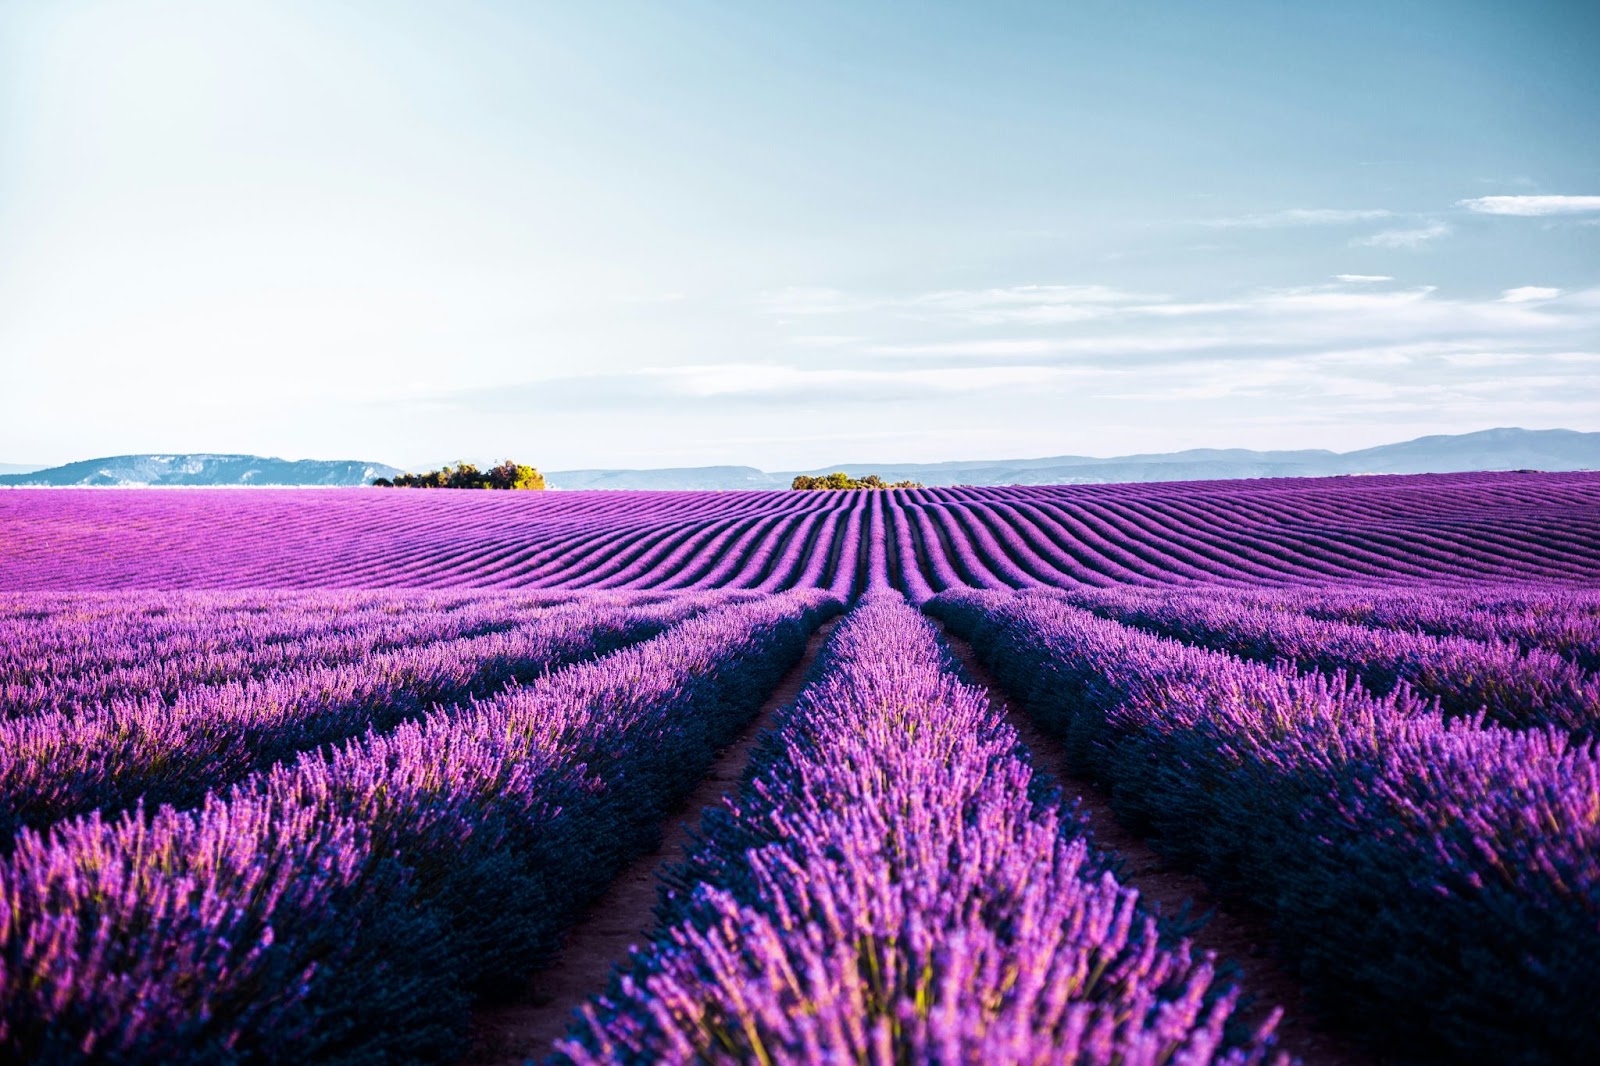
[
  {"x": 508, "y": 475},
  {"x": 840, "y": 480}
]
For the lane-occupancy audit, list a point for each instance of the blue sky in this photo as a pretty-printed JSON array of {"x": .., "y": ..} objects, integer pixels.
[{"x": 787, "y": 235}]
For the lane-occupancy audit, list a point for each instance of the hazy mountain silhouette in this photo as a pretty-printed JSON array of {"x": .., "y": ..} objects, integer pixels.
[
  {"x": 203, "y": 470},
  {"x": 1490, "y": 449}
]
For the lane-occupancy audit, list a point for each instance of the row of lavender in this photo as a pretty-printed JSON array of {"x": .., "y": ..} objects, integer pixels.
[
  {"x": 1564, "y": 621},
  {"x": 68, "y": 650},
  {"x": 1517, "y": 683},
  {"x": 1437, "y": 881},
  {"x": 1448, "y": 528},
  {"x": 896, "y": 883},
  {"x": 344, "y": 907},
  {"x": 128, "y": 749}
]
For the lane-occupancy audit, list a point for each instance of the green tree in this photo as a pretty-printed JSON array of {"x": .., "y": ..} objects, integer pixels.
[
  {"x": 513, "y": 475},
  {"x": 840, "y": 480},
  {"x": 507, "y": 475}
]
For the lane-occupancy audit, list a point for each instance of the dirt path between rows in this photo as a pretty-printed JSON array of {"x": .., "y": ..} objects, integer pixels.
[
  {"x": 513, "y": 1033},
  {"x": 1233, "y": 934}
]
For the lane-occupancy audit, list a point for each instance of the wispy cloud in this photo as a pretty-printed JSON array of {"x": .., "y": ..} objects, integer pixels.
[
  {"x": 802, "y": 300},
  {"x": 1528, "y": 294},
  {"x": 1299, "y": 216},
  {"x": 825, "y": 340},
  {"x": 1347, "y": 352},
  {"x": 1270, "y": 323},
  {"x": 1531, "y": 206},
  {"x": 726, "y": 386},
  {"x": 1027, "y": 294},
  {"x": 1414, "y": 237},
  {"x": 1039, "y": 304}
]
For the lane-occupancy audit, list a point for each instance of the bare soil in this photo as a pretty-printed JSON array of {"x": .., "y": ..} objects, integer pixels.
[
  {"x": 508, "y": 1034},
  {"x": 1232, "y": 932}
]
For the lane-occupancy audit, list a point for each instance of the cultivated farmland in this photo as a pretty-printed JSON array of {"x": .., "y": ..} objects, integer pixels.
[{"x": 364, "y": 776}]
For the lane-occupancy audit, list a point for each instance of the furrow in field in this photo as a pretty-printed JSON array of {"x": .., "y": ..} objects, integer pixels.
[
  {"x": 895, "y": 882},
  {"x": 348, "y": 907},
  {"x": 502, "y": 1033},
  {"x": 1435, "y": 883}
]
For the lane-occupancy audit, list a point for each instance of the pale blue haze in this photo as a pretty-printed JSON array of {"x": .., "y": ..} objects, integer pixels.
[{"x": 637, "y": 234}]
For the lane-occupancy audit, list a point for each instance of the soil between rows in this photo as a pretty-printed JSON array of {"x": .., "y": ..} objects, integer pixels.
[
  {"x": 1232, "y": 932},
  {"x": 510, "y": 1034}
]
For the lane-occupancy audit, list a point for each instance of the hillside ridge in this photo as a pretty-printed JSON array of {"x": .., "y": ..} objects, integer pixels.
[{"x": 1505, "y": 448}]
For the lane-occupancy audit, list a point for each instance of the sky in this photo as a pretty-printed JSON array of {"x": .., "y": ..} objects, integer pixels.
[{"x": 788, "y": 235}]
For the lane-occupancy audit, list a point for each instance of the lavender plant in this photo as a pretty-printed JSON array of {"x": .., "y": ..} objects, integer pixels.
[
  {"x": 1511, "y": 686},
  {"x": 1437, "y": 881},
  {"x": 895, "y": 883},
  {"x": 343, "y": 908}
]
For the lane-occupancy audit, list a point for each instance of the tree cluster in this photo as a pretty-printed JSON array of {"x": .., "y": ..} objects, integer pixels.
[
  {"x": 508, "y": 475},
  {"x": 840, "y": 480}
]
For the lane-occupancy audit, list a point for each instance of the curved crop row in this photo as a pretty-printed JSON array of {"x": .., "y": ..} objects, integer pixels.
[
  {"x": 1438, "y": 882},
  {"x": 1516, "y": 688},
  {"x": 53, "y": 766},
  {"x": 1455, "y": 529},
  {"x": 895, "y": 883},
  {"x": 345, "y": 907},
  {"x": 68, "y": 659},
  {"x": 1565, "y": 621}
]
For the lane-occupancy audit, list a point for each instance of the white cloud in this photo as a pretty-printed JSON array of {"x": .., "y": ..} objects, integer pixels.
[
  {"x": 1487, "y": 359},
  {"x": 980, "y": 349},
  {"x": 1334, "y": 355},
  {"x": 1026, "y": 303},
  {"x": 967, "y": 299},
  {"x": 1404, "y": 238},
  {"x": 1266, "y": 324},
  {"x": 825, "y": 340},
  {"x": 1300, "y": 216},
  {"x": 1531, "y": 206},
  {"x": 1361, "y": 279},
  {"x": 799, "y": 300},
  {"x": 732, "y": 386},
  {"x": 1528, "y": 294},
  {"x": 760, "y": 379},
  {"x": 654, "y": 298}
]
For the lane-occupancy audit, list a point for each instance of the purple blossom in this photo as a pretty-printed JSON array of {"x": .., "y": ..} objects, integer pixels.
[{"x": 895, "y": 883}]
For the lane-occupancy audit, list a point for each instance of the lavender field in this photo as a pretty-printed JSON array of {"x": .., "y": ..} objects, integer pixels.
[{"x": 346, "y": 775}]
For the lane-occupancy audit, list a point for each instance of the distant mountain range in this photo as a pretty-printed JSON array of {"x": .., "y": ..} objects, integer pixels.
[
  {"x": 1491, "y": 449},
  {"x": 203, "y": 470}
]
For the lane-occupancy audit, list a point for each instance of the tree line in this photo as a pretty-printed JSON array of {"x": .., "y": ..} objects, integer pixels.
[
  {"x": 840, "y": 480},
  {"x": 508, "y": 475}
]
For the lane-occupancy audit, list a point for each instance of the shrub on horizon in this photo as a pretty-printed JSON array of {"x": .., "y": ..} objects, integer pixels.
[
  {"x": 507, "y": 475},
  {"x": 840, "y": 480}
]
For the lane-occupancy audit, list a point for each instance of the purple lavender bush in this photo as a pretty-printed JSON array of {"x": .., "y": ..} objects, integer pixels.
[
  {"x": 343, "y": 908},
  {"x": 71, "y": 652},
  {"x": 895, "y": 883},
  {"x": 174, "y": 752},
  {"x": 1511, "y": 686},
  {"x": 1438, "y": 882},
  {"x": 1562, "y": 620}
]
